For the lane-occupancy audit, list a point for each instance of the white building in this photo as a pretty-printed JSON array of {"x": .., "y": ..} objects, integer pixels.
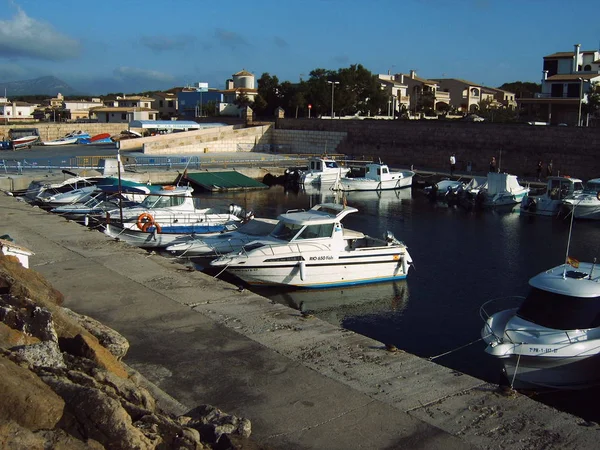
[
  {"x": 16, "y": 111},
  {"x": 125, "y": 109}
]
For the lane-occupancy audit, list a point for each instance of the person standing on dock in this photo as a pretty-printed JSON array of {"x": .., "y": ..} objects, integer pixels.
[
  {"x": 539, "y": 170},
  {"x": 549, "y": 169},
  {"x": 493, "y": 164},
  {"x": 452, "y": 164}
]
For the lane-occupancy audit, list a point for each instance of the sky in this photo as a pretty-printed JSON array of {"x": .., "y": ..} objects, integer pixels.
[{"x": 137, "y": 45}]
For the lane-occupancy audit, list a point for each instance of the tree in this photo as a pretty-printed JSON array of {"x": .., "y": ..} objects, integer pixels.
[
  {"x": 592, "y": 107},
  {"x": 242, "y": 101},
  {"x": 522, "y": 89}
]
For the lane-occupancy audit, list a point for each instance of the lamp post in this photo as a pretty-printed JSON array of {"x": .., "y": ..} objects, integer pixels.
[
  {"x": 332, "y": 83},
  {"x": 581, "y": 81}
]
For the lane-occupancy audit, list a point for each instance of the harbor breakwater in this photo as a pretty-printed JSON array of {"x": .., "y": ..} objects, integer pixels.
[{"x": 428, "y": 144}]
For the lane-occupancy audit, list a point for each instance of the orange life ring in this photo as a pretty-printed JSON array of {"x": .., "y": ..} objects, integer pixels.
[
  {"x": 169, "y": 188},
  {"x": 147, "y": 226},
  {"x": 144, "y": 219}
]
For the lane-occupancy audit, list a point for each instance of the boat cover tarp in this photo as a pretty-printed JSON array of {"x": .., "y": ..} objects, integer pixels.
[
  {"x": 227, "y": 180},
  {"x": 502, "y": 182}
]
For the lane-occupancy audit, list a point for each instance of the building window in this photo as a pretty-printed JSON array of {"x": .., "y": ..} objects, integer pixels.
[
  {"x": 20, "y": 113},
  {"x": 124, "y": 116},
  {"x": 587, "y": 68},
  {"x": 170, "y": 103},
  {"x": 475, "y": 92},
  {"x": 160, "y": 103}
]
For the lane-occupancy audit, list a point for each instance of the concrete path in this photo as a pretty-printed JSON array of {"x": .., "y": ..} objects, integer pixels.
[{"x": 304, "y": 384}]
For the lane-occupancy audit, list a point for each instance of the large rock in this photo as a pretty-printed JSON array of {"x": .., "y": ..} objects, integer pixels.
[
  {"x": 25, "y": 399},
  {"x": 93, "y": 414},
  {"x": 26, "y": 283},
  {"x": 213, "y": 423},
  {"x": 15, "y": 437},
  {"x": 11, "y": 338},
  {"x": 87, "y": 346},
  {"x": 43, "y": 354},
  {"x": 108, "y": 338}
]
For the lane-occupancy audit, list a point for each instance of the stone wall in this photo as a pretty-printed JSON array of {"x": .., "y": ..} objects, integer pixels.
[
  {"x": 50, "y": 130},
  {"x": 307, "y": 141},
  {"x": 221, "y": 139},
  {"x": 428, "y": 144}
]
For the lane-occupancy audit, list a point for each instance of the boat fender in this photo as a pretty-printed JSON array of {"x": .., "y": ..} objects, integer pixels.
[
  {"x": 169, "y": 188},
  {"x": 598, "y": 195},
  {"x": 302, "y": 265},
  {"x": 143, "y": 219},
  {"x": 157, "y": 227}
]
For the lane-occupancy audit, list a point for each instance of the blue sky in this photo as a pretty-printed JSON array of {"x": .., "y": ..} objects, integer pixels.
[{"x": 136, "y": 45}]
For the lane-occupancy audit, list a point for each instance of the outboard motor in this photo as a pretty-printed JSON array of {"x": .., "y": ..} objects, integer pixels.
[{"x": 237, "y": 210}]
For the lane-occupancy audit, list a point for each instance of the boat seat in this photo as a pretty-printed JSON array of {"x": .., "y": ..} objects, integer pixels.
[{"x": 351, "y": 234}]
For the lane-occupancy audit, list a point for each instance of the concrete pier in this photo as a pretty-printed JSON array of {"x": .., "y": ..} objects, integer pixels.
[{"x": 304, "y": 383}]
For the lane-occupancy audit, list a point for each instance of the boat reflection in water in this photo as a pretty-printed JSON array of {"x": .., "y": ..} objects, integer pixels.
[{"x": 336, "y": 305}]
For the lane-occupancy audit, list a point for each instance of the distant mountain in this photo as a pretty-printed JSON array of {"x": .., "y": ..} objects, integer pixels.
[{"x": 38, "y": 86}]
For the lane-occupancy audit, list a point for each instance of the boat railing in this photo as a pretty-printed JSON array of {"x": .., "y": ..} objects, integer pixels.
[
  {"x": 295, "y": 247},
  {"x": 539, "y": 334},
  {"x": 491, "y": 307}
]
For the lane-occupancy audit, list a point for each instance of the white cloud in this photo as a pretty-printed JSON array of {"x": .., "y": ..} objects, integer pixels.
[
  {"x": 166, "y": 43},
  {"x": 132, "y": 73},
  {"x": 24, "y": 37}
]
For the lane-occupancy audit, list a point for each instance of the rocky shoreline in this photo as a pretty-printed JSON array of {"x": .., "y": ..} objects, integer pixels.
[{"x": 63, "y": 384}]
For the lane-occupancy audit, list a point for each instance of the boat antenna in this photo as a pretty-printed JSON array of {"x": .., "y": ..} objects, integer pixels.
[
  {"x": 592, "y": 269},
  {"x": 569, "y": 242},
  {"x": 120, "y": 187}
]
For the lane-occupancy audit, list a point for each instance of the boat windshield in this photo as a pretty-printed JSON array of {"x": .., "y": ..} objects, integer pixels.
[
  {"x": 561, "y": 312},
  {"x": 592, "y": 187},
  {"x": 162, "y": 201},
  {"x": 286, "y": 231}
]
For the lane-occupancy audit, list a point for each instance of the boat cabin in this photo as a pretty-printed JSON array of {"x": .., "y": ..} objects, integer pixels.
[{"x": 560, "y": 187}]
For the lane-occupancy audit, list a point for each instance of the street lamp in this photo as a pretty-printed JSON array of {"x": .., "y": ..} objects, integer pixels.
[
  {"x": 332, "y": 83},
  {"x": 581, "y": 81}
]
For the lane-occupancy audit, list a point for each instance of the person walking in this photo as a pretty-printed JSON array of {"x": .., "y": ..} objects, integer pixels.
[
  {"x": 539, "y": 170},
  {"x": 452, "y": 164},
  {"x": 493, "y": 164},
  {"x": 549, "y": 169}
]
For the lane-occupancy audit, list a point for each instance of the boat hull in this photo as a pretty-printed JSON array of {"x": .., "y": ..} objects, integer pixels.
[
  {"x": 361, "y": 184},
  {"x": 152, "y": 239},
  {"x": 558, "y": 373},
  {"x": 345, "y": 270}
]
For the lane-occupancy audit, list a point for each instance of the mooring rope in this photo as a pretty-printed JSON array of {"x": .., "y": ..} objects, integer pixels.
[{"x": 431, "y": 358}]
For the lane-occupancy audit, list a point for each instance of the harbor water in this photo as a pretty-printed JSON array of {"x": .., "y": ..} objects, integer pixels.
[{"x": 462, "y": 259}]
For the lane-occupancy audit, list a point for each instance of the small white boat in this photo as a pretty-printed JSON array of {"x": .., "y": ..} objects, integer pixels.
[
  {"x": 585, "y": 204},
  {"x": 376, "y": 177},
  {"x": 69, "y": 138},
  {"x": 553, "y": 338},
  {"x": 502, "y": 189},
  {"x": 550, "y": 201},
  {"x": 312, "y": 249},
  {"x": 323, "y": 170},
  {"x": 95, "y": 207},
  {"x": 444, "y": 189},
  {"x": 78, "y": 195},
  {"x": 197, "y": 246}
]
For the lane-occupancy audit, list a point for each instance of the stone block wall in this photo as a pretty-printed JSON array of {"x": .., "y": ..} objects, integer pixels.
[
  {"x": 427, "y": 144},
  {"x": 308, "y": 141},
  {"x": 222, "y": 139},
  {"x": 50, "y": 130}
]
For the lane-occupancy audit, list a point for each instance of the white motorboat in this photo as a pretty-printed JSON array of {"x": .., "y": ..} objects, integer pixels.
[
  {"x": 376, "y": 177},
  {"x": 550, "y": 201},
  {"x": 173, "y": 206},
  {"x": 95, "y": 207},
  {"x": 69, "y": 138},
  {"x": 158, "y": 236},
  {"x": 312, "y": 249},
  {"x": 553, "y": 338},
  {"x": 323, "y": 170},
  {"x": 444, "y": 189},
  {"x": 197, "y": 246},
  {"x": 585, "y": 204},
  {"x": 502, "y": 189},
  {"x": 78, "y": 195}
]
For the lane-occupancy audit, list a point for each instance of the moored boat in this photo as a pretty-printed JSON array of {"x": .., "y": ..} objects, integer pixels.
[
  {"x": 501, "y": 189},
  {"x": 69, "y": 138},
  {"x": 584, "y": 204},
  {"x": 323, "y": 170},
  {"x": 312, "y": 249},
  {"x": 552, "y": 339},
  {"x": 376, "y": 177},
  {"x": 550, "y": 201}
]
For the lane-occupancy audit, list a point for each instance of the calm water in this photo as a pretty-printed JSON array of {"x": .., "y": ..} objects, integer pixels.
[{"x": 461, "y": 260}]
